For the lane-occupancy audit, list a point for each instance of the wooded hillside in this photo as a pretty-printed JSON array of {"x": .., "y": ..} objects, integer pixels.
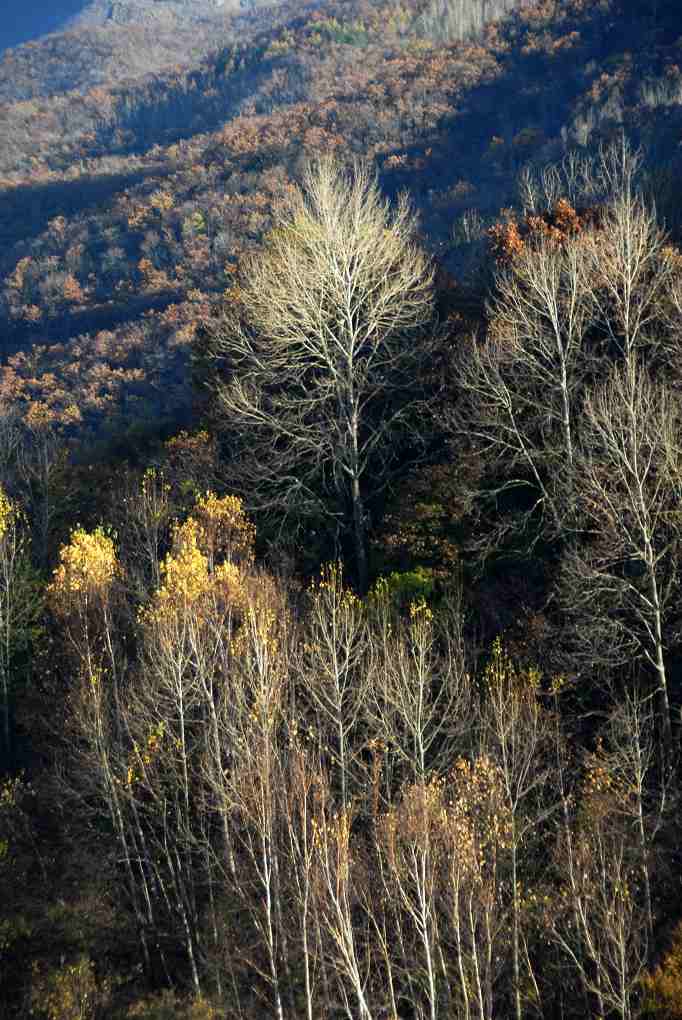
[{"x": 340, "y": 474}]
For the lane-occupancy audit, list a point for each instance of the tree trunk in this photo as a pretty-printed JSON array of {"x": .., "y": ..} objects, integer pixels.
[
  {"x": 359, "y": 529},
  {"x": 5, "y": 715},
  {"x": 359, "y": 536},
  {"x": 515, "y": 931},
  {"x": 661, "y": 674}
]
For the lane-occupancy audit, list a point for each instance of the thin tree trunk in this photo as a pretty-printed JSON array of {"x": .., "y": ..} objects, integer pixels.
[
  {"x": 515, "y": 932},
  {"x": 359, "y": 530},
  {"x": 359, "y": 535},
  {"x": 662, "y": 689},
  {"x": 5, "y": 714}
]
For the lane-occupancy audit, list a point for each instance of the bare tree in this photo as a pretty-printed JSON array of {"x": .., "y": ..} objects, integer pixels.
[
  {"x": 83, "y": 594},
  {"x": 592, "y": 179},
  {"x": 345, "y": 924},
  {"x": 252, "y": 785},
  {"x": 304, "y": 789},
  {"x": 326, "y": 351},
  {"x": 474, "y": 904},
  {"x": 411, "y": 845},
  {"x": 43, "y": 483},
  {"x": 621, "y": 582},
  {"x": 627, "y": 754},
  {"x": 572, "y": 296},
  {"x": 172, "y": 720},
  {"x": 145, "y": 513},
  {"x": 517, "y": 734},
  {"x": 522, "y": 386},
  {"x": 420, "y": 693},
  {"x": 599, "y": 919},
  {"x": 633, "y": 278},
  {"x": 334, "y": 688}
]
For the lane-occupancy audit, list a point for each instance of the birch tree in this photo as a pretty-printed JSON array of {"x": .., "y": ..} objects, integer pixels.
[
  {"x": 599, "y": 924},
  {"x": 517, "y": 735},
  {"x": 521, "y": 386},
  {"x": 325, "y": 349},
  {"x": 334, "y": 688},
  {"x": 574, "y": 295},
  {"x": 83, "y": 596},
  {"x": 421, "y": 697},
  {"x": 621, "y": 583}
]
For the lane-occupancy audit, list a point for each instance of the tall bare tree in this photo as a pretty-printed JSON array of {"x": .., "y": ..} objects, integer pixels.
[
  {"x": 521, "y": 386},
  {"x": 335, "y": 688},
  {"x": 517, "y": 732},
  {"x": 572, "y": 297},
  {"x": 599, "y": 920},
  {"x": 420, "y": 693},
  {"x": 622, "y": 580},
  {"x": 326, "y": 349},
  {"x": 627, "y": 753}
]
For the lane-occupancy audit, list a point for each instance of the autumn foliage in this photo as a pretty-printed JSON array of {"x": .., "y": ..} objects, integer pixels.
[{"x": 248, "y": 770}]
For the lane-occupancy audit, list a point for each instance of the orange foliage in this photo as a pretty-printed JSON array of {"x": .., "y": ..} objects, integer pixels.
[
  {"x": 509, "y": 239},
  {"x": 663, "y": 986}
]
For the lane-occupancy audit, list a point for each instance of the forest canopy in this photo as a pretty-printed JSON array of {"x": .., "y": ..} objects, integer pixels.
[{"x": 340, "y": 473}]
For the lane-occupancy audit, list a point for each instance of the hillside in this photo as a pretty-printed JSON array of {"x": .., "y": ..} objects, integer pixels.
[
  {"x": 25, "y": 22},
  {"x": 156, "y": 12},
  {"x": 82, "y": 58},
  {"x": 340, "y": 475},
  {"x": 109, "y": 43},
  {"x": 136, "y": 197}
]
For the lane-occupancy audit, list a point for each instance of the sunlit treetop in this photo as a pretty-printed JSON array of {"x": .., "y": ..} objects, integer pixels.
[
  {"x": 184, "y": 571},
  {"x": 189, "y": 583},
  {"x": 223, "y": 529},
  {"x": 501, "y": 674},
  {"x": 87, "y": 568},
  {"x": 330, "y": 589},
  {"x": 8, "y": 513},
  {"x": 461, "y": 815}
]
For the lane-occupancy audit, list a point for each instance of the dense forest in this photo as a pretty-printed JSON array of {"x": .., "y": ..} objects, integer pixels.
[{"x": 340, "y": 532}]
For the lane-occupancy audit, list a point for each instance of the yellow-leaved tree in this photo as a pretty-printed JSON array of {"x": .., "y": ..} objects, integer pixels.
[{"x": 186, "y": 635}]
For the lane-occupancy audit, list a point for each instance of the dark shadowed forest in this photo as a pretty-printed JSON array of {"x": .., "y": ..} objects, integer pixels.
[{"x": 340, "y": 528}]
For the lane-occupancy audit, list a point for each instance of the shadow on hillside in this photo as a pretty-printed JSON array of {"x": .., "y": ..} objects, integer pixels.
[
  {"x": 163, "y": 112},
  {"x": 535, "y": 109},
  {"x": 496, "y": 126},
  {"x": 63, "y": 329},
  {"x": 26, "y": 210}
]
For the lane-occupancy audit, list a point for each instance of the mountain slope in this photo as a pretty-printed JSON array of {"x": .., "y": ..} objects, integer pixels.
[
  {"x": 126, "y": 210},
  {"x": 84, "y": 58},
  {"x": 125, "y": 12}
]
